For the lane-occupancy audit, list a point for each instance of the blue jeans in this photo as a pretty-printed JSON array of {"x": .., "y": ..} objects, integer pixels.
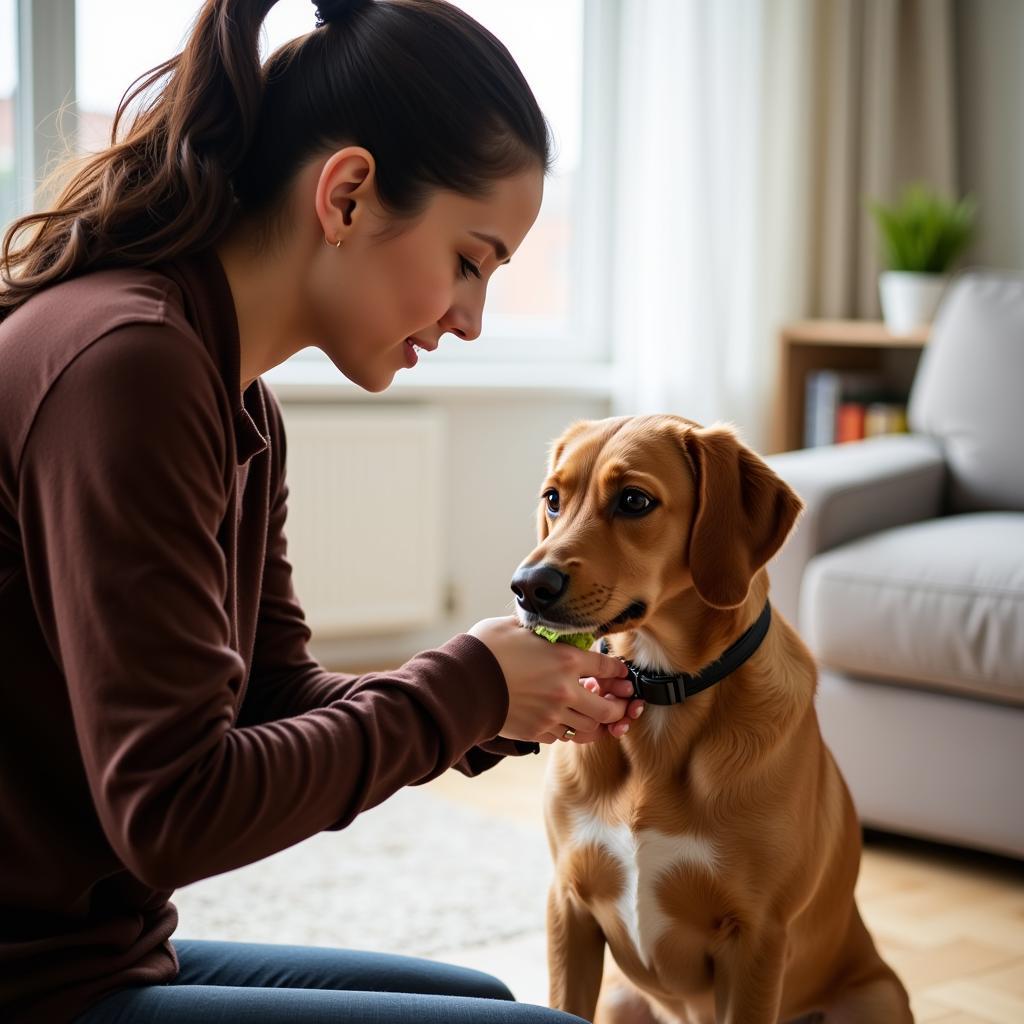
[{"x": 250, "y": 983}]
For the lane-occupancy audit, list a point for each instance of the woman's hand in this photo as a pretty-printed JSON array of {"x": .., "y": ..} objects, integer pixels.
[
  {"x": 617, "y": 688},
  {"x": 545, "y": 694}
]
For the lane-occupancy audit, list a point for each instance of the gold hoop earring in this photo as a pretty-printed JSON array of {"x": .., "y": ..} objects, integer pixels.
[{"x": 336, "y": 245}]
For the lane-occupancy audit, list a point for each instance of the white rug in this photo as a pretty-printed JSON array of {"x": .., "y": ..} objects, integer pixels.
[{"x": 417, "y": 875}]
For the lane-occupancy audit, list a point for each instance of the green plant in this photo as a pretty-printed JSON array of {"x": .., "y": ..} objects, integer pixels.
[{"x": 924, "y": 232}]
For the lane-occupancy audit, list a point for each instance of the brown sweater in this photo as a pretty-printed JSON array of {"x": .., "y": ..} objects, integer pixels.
[{"x": 162, "y": 719}]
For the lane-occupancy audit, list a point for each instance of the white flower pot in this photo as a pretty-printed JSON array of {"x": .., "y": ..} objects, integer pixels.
[{"x": 909, "y": 300}]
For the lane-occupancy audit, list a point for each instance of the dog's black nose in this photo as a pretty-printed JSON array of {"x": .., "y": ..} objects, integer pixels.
[{"x": 538, "y": 587}]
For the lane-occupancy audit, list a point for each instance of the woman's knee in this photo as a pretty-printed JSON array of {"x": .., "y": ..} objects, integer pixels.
[{"x": 468, "y": 982}]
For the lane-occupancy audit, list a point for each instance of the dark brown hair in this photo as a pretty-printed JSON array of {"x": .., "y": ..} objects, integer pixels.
[{"x": 433, "y": 95}]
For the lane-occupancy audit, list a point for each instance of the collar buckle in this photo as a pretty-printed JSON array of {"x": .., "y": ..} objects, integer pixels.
[{"x": 655, "y": 689}]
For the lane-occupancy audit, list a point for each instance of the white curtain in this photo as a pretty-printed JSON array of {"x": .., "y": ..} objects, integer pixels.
[{"x": 726, "y": 163}]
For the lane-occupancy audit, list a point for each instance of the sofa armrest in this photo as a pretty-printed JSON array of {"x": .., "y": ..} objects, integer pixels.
[{"x": 850, "y": 491}]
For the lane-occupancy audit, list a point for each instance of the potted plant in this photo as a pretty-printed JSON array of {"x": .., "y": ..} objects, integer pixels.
[{"x": 923, "y": 235}]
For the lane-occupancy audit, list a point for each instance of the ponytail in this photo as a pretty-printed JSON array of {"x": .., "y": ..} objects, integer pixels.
[{"x": 432, "y": 94}]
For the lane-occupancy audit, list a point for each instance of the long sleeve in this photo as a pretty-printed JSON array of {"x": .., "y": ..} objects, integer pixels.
[{"x": 124, "y": 487}]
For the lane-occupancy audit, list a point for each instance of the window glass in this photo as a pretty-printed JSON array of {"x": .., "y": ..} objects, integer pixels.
[
  {"x": 546, "y": 40},
  {"x": 115, "y": 42},
  {"x": 9, "y": 197},
  {"x": 118, "y": 40}
]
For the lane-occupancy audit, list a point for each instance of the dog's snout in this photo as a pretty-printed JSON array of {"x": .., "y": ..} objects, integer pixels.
[{"x": 538, "y": 587}]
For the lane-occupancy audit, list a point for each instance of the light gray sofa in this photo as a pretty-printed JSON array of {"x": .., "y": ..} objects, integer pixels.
[{"x": 905, "y": 576}]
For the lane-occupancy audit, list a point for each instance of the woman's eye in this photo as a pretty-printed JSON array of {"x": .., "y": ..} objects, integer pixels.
[
  {"x": 634, "y": 502},
  {"x": 468, "y": 269},
  {"x": 550, "y": 499}
]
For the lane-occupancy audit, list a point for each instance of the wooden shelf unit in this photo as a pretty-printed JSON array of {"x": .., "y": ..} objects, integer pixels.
[{"x": 862, "y": 345}]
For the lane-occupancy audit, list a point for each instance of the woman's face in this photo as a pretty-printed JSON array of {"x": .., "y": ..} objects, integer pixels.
[{"x": 390, "y": 285}]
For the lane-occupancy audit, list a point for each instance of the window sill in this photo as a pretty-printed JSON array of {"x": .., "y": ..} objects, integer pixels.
[{"x": 315, "y": 380}]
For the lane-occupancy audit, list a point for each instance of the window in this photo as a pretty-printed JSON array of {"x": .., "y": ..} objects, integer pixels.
[{"x": 536, "y": 307}]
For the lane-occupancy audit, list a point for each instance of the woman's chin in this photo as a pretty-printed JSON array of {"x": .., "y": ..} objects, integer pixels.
[{"x": 374, "y": 380}]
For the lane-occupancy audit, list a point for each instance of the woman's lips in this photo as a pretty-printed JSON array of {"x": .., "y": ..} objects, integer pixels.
[{"x": 411, "y": 355}]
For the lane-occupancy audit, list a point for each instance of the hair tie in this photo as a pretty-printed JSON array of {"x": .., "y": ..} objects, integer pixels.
[{"x": 331, "y": 12}]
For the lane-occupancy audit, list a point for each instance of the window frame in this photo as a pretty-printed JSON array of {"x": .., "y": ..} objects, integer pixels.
[{"x": 46, "y": 85}]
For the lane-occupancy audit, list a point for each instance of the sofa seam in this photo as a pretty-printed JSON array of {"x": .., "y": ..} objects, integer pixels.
[{"x": 1015, "y": 595}]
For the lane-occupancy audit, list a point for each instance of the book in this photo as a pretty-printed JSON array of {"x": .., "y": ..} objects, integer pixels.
[
  {"x": 821, "y": 403},
  {"x": 835, "y": 405},
  {"x": 850, "y": 422},
  {"x": 885, "y": 418}
]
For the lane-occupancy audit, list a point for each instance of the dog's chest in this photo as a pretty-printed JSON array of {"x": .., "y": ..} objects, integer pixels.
[{"x": 651, "y": 867}]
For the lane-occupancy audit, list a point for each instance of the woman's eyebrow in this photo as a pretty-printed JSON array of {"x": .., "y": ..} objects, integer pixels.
[{"x": 500, "y": 249}]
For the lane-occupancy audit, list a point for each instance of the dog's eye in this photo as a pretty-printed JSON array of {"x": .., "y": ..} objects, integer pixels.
[
  {"x": 550, "y": 498},
  {"x": 634, "y": 502}
]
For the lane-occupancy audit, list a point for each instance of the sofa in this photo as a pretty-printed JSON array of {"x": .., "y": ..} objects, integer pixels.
[{"x": 905, "y": 577}]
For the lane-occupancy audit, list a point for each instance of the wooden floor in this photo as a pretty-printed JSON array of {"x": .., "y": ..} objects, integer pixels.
[{"x": 950, "y": 922}]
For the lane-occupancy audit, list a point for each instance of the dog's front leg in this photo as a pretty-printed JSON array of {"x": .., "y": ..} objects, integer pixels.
[
  {"x": 749, "y": 971},
  {"x": 575, "y": 954}
]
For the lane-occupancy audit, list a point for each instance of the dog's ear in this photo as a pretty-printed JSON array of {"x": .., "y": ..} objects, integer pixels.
[{"x": 743, "y": 513}]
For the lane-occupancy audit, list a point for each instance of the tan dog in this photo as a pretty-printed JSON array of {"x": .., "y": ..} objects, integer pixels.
[{"x": 715, "y": 848}]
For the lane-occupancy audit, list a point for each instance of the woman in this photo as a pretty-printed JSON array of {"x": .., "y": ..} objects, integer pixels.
[{"x": 164, "y": 721}]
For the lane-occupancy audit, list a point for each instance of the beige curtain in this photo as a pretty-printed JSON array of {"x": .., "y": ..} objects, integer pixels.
[{"x": 882, "y": 114}]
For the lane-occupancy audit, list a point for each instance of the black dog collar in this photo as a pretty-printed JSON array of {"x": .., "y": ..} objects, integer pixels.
[{"x": 674, "y": 689}]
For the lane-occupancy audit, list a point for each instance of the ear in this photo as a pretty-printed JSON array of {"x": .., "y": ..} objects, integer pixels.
[
  {"x": 744, "y": 512},
  {"x": 347, "y": 180}
]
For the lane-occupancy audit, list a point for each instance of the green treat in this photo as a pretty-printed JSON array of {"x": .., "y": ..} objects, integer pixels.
[{"x": 584, "y": 641}]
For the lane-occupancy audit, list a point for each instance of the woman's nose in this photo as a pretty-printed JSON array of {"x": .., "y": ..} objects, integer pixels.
[{"x": 463, "y": 322}]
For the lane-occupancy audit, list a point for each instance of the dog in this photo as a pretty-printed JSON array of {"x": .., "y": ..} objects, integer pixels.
[{"x": 714, "y": 848}]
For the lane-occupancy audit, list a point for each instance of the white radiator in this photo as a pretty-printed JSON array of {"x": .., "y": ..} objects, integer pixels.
[{"x": 364, "y": 516}]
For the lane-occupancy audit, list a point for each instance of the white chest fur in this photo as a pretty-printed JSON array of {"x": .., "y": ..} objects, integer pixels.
[
  {"x": 650, "y": 655},
  {"x": 645, "y": 855}
]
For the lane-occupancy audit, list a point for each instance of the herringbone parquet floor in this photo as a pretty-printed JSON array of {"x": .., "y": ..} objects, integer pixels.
[{"x": 951, "y": 923}]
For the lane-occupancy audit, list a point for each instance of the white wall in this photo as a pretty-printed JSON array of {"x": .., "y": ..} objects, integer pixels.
[{"x": 990, "y": 95}]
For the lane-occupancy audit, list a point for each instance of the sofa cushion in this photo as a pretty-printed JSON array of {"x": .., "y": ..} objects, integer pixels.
[
  {"x": 967, "y": 389},
  {"x": 938, "y": 604}
]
